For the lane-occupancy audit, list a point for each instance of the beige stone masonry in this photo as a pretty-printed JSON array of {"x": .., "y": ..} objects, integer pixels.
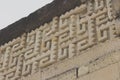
[{"x": 82, "y": 44}]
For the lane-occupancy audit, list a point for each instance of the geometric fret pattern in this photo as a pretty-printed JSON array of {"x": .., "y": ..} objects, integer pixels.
[{"x": 64, "y": 37}]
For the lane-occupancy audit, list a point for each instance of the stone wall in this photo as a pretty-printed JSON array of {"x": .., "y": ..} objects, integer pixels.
[{"x": 82, "y": 44}]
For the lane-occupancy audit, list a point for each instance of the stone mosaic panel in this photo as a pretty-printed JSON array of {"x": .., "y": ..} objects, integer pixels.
[{"x": 64, "y": 37}]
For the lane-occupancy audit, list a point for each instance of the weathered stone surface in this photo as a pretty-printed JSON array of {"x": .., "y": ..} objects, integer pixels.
[
  {"x": 36, "y": 19},
  {"x": 108, "y": 73},
  {"x": 81, "y": 44}
]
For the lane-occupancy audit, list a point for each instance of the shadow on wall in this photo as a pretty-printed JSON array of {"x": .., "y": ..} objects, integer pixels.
[
  {"x": 117, "y": 8},
  {"x": 116, "y": 5}
]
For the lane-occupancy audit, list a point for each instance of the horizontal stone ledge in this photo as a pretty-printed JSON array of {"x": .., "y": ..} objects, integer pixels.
[{"x": 37, "y": 18}]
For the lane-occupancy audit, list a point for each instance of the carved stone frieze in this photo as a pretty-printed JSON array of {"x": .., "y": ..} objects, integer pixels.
[{"x": 65, "y": 37}]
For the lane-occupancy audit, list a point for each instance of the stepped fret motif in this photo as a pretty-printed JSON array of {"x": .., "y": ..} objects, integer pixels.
[{"x": 64, "y": 37}]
